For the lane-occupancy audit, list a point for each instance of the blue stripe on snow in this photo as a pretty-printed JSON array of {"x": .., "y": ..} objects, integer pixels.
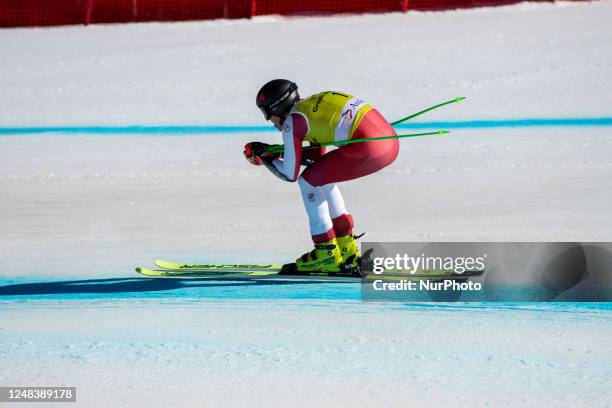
[{"x": 206, "y": 129}]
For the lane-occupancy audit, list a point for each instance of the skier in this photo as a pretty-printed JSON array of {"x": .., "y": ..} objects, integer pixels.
[{"x": 324, "y": 117}]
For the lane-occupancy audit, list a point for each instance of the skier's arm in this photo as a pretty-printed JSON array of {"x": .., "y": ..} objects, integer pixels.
[{"x": 295, "y": 128}]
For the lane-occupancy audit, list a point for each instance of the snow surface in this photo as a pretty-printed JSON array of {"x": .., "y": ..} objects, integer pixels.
[{"x": 90, "y": 207}]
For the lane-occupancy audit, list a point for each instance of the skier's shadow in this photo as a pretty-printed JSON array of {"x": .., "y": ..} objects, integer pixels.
[{"x": 129, "y": 285}]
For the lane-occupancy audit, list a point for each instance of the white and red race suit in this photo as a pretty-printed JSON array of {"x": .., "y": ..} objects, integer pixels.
[{"x": 325, "y": 117}]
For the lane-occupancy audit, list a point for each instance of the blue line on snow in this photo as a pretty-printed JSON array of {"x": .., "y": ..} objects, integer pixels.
[
  {"x": 25, "y": 289},
  {"x": 193, "y": 129}
]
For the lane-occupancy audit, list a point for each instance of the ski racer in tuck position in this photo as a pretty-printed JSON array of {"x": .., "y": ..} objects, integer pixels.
[{"x": 321, "y": 118}]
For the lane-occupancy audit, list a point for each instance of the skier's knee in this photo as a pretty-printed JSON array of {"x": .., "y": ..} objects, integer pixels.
[
  {"x": 310, "y": 179},
  {"x": 304, "y": 184}
]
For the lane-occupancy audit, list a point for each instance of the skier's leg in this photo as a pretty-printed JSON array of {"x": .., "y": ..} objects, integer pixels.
[
  {"x": 341, "y": 219},
  {"x": 327, "y": 214},
  {"x": 343, "y": 227},
  {"x": 347, "y": 163},
  {"x": 317, "y": 208},
  {"x": 326, "y": 255}
]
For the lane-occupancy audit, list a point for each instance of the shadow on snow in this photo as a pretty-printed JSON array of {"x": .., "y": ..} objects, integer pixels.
[{"x": 129, "y": 285}]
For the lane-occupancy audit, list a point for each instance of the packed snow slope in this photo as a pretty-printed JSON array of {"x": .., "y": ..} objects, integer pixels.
[
  {"x": 99, "y": 204},
  {"x": 309, "y": 354},
  {"x": 78, "y": 212}
]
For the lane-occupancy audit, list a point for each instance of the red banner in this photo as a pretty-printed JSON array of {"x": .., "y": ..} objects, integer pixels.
[{"x": 20, "y": 13}]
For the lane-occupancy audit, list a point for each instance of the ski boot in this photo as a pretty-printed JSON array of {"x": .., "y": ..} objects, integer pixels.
[
  {"x": 350, "y": 254},
  {"x": 324, "y": 258}
]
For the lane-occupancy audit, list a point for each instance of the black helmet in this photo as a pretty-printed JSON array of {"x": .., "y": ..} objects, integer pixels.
[{"x": 277, "y": 97}]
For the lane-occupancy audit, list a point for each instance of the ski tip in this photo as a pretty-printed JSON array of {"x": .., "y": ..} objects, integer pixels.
[
  {"x": 460, "y": 98},
  {"x": 148, "y": 272},
  {"x": 443, "y": 132}
]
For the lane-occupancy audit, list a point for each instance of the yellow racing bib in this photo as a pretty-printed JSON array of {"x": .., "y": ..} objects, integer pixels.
[{"x": 332, "y": 116}]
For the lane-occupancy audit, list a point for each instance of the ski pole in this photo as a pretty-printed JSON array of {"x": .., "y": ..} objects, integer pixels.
[
  {"x": 281, "y": 148},
  {"x": 414, "y": 115}
]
